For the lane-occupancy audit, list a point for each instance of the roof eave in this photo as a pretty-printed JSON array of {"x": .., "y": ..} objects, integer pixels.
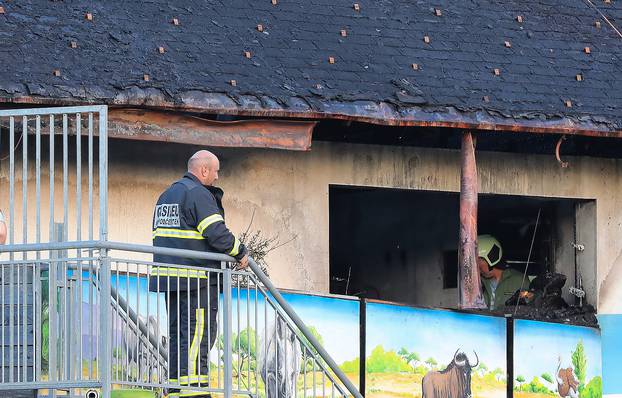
[{"x": 381, "y": 113}]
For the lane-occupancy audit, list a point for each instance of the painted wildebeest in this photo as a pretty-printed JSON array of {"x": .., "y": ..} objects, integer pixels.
[
  {"x": 453, "y": 382},
  {"x": 279, "y": 360},
  {"x": 567, "y": 384}
]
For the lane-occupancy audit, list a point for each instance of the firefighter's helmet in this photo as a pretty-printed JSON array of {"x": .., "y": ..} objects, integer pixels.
[{"x": 489, "y": 249}]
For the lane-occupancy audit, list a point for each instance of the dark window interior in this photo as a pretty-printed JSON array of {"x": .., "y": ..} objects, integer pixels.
[
  {"x": 450, "y": 269},
  {"x": 401, "y": 245}
]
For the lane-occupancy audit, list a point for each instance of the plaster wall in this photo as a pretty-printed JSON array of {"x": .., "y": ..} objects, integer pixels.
[
  {"x": 300, "y": 181},
  {"x": 288, "y": 194}
]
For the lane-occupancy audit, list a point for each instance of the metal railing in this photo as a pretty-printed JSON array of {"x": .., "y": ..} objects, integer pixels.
[
  {"x": 54, "y": 175},
  {"x": 86, "y": 314},
  {"x": 117, "y": 322},
  {"x": 58, "y": 159}
]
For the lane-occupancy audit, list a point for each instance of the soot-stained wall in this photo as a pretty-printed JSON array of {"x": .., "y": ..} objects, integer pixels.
[{"x": 288, "y": 193}]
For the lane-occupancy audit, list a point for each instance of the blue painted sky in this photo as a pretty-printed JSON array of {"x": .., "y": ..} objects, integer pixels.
[
  {"x": 336, "y": 320},
  {"x": 611, "y": 326},
  {"x": 128, "y": 286},
  {"x": 537, "y": 346},
  {"x": 437, "y": 333}
]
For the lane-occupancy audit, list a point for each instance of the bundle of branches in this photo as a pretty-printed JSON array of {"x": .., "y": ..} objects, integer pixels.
[{"x": 259, "y": 246}]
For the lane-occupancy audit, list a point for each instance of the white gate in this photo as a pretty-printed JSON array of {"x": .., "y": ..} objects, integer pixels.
[
  {"x": 53, "y": 188},
  {"x": 56, "y": 148}
]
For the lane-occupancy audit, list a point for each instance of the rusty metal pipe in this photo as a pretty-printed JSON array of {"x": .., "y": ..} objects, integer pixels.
[
  {"x": 557, "y": 150},
  {"x": 469, "y": 283}
]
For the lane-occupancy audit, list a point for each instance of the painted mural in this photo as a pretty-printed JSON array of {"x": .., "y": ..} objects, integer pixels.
[
  {"x": 555, "y": 360},
  {"x": 611, "y": 330},
  {"x": 414, "y": 352},
  {"x": 333, "y": 321},
  {"x": 260, "y": 341},
  {"x": 410, "y": 352}
]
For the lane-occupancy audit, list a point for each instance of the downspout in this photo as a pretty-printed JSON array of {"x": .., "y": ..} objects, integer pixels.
[{"x": 469, "y": 283}]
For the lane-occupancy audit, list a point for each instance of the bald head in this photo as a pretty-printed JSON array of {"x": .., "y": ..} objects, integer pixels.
[{"x": 205, "y": 166}]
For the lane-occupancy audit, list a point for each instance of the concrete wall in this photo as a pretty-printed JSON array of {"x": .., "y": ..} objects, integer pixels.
[{"x": 288, "y": 192}]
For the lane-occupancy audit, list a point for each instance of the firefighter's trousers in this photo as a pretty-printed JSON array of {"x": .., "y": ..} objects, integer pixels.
[{"x": 193, "y": 328}]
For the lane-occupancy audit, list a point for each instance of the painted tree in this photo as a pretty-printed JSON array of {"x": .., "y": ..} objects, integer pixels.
[
  {"x": 481, "y": 369},
  {"x": 498, "y": 373},
  {"x": 381, "y": 361},
  {"x": 431, "y": 362},
  {"x": 549, "y": 379},
  {"x": 520, "y": 379},
  {"x": 45, "y": 336},
  {"x": 536, "y": 386},
  {"x": 353, "y": 366},
  {"x": 593, "y": 389},
  {"x": 309, "y": 355},
  {"x": 579, "y": 362},
  {"x": 317, "y": 336},
  {"x": 244, "y": 346},
  {"x": 411, "y": 358}
]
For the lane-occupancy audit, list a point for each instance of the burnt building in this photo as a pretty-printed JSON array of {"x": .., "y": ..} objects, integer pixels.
[{"x": 340, "y": 127}]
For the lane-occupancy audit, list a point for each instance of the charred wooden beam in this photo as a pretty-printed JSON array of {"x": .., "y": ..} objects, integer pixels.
[
  {"x": 469, "y": 282},
  {"x": 150, "y": 125}
]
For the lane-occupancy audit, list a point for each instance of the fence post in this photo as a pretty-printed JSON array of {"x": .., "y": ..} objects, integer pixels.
[
  {"x": 227, "y": 351},
  {"x": 53, "y": 315},
  {"x": 105, "y": 353},
  {"x": 103, "y": 173}
]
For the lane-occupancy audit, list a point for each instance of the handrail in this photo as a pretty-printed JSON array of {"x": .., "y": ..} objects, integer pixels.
[
  {"x": 97, "y": 244},
  {"x": 120, "y": 302},
  {"x": 198, "y": 255},
  {"x": 303, "y": 328}
]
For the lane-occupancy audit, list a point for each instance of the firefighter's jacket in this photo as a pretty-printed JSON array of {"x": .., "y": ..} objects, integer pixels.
[{"x": 190, "y": 216}]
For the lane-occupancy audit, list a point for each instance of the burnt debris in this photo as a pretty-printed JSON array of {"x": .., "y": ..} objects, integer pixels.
[{"x": 543, "y": 301}]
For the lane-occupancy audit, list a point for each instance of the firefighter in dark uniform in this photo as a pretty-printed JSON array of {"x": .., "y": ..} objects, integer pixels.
[{"x": 189, "y": 215}]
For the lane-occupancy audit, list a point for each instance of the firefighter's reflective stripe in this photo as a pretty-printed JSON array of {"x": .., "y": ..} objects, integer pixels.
[
  {"x": 176, "y": 233},
  {"x": 187, "y": 393},
  {"x": 192, "y": 380},
  {"x": 207, "y": 221},
  {"x": 193, "y": 355},
  {"x": 236, "y": 248},
  {"x": 178, "y": 272}
]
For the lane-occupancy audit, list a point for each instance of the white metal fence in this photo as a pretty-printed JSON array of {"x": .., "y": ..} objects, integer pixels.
[
  {"x": 53, "y": 187},
  {"x": 55, "y": 163}
]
